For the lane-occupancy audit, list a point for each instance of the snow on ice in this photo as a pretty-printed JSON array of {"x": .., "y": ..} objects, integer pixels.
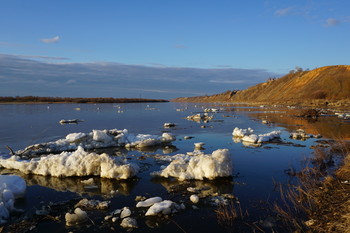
[
  {"x": 77, "y": 163},
  {"x": 163, "y": 207},
  {"x": 97, "y": 139},
  {"x": 200, "y": 166},
  {"x": 248, "y": 136}
]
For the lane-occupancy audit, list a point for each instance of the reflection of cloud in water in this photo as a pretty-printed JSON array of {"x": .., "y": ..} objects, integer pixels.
[
  {"x": 100, "y": 186},
  {"x": 204, "y": 187}
]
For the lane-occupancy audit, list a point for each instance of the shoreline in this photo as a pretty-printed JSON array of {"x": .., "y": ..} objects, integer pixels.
[{"x": 68, "y": 100}]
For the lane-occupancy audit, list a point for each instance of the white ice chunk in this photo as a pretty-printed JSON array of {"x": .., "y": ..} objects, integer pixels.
[
  {"x": 77, "y": 163},
  {"x": 101, "y": 136},
  {"x": 149, "y": 202},
  {"x": 194, "y": 198},
  {"x": 253, "y": 138},
  {"x": 201, "y": 166},
  {"x": 237, "y": 132},
  {"x": 146, "y": 140},
  {"x": 79, "y": 216},
  {"x": 15, "y": 184},
  {"x": 163, "y": 207},
  {"x": 129, "y": 223},
  {"x": 75, "y": 137},
  {"x": 97, "y": 139},
  {"x": 11, "y": 187},
  {"x": 269, "y": 136},
  {"x": 247, "y": 136},
  {"x": 126, "y": 212},
  {"x": 199, "y": 145}
]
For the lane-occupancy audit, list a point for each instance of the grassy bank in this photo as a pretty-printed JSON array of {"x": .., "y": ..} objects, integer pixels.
[{"x": 320, "y": 201}]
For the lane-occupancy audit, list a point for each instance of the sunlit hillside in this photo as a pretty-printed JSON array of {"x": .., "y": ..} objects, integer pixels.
[{"x": 323, "y": 84}]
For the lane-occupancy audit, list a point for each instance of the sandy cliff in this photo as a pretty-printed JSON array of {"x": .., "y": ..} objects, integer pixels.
[{"x": 321, "y": 85}]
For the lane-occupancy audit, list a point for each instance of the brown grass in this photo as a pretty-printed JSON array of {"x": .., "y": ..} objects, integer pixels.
[
  {"x": 321, "y": 197},
  {"x": 227, "y": 214}
]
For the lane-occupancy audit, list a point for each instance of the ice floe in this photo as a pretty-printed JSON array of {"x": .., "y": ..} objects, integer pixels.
[
  {"x": 201, "y": 166},
  {"x": 237, "y": 132},
  {"x": 194, "y": 198},
  {"x": 302, "y": 135},
  {"x": 198, "y": 145},
  {"x": 163, "y": 207},
  {"x": 11, "y": 188},
  {"x": 79, "y": 216},
  {"x": 205, "y": 117},
  {"x": 97, "y": 139},
  {"x": 169, "y": 125},
  {"x": 149, "y": 202},
  {"x": 126, "y": 212},
  {"x": 211, "y": 110},
  {"x": 77, "y": 163},
  {"x": 129, "y": 223},
  {"x": 248, "y": 136}
]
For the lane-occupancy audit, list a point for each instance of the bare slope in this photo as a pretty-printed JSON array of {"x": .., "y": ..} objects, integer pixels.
[
  {"x": 321, "y": 84},
  {"x": 329, "y": 82}
]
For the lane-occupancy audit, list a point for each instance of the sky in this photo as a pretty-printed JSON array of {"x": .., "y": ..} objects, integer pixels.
[{"x": 164, "y": 49}]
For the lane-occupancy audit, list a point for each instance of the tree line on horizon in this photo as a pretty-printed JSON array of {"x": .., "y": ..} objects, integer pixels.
[{"x": 39, "y": 99}]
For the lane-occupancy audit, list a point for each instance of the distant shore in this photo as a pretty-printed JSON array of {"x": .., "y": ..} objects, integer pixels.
[{"x": 39, "y": 100}]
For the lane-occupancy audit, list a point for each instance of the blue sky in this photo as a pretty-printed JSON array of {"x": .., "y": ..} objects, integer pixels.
[{"x": 239, "y": 43}]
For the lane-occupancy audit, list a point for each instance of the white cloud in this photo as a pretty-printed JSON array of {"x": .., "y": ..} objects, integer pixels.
[
  {"x": 51, "y": 40},
  {"x": 330, "y": 22},
  {"x": 98, "y": 79},
  {"x": 284, "y": 11},
  {"x": 43, "y": 57},
  {"x": 71, "y": 81}
]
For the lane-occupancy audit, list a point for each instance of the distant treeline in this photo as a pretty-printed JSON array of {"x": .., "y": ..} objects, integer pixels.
[{"x": 38, "y": 99}]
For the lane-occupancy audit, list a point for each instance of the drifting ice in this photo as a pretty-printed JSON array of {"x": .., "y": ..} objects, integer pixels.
[
  {"x": 163, "y": 207},
  {"x": 246, "y": 135},
  {"x": 98, "y": 139},
  {"x": 200, "y": 166},
  {"x": 77, "y": 163},
  {"x": 11, "y": 188},
  {"x": 79, "y": 216},
  {"x": 149, "y": 202}
]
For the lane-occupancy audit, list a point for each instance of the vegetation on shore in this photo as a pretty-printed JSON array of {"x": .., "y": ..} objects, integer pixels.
[
  {"x": 38, "y": 99},
  {"x": 321, "y": 194},
  {"x": 329, "y": 85}
]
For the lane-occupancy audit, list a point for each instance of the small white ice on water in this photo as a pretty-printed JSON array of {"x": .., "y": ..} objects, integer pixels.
[
  {"x": 247, "y": 135},
  {"x": 11, "y": 188}
]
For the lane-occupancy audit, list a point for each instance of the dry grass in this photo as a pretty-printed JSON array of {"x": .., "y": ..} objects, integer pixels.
[
  {"x": 228, "y": 213},
  {"x": 323, "y": 198}
]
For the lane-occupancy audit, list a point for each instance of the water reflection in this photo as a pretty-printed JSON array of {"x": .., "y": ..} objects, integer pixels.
[
  {"x": 99, "y": 186},
  {"x": 203, "y": 187},
  {"x": 327, "y": 126}
]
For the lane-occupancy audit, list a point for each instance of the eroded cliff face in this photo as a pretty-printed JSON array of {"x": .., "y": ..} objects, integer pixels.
[{"x": 321, "y": 85}]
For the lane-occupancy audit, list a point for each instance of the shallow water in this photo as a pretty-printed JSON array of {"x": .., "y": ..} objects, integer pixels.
[{"x": 256, "y": 169}]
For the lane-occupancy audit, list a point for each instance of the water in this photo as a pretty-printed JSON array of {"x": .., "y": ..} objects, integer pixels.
[{"x": 256, "y": 169}]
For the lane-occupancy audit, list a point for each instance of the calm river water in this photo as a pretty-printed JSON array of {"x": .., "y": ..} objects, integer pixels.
[{"x": 256, "y": 169}]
